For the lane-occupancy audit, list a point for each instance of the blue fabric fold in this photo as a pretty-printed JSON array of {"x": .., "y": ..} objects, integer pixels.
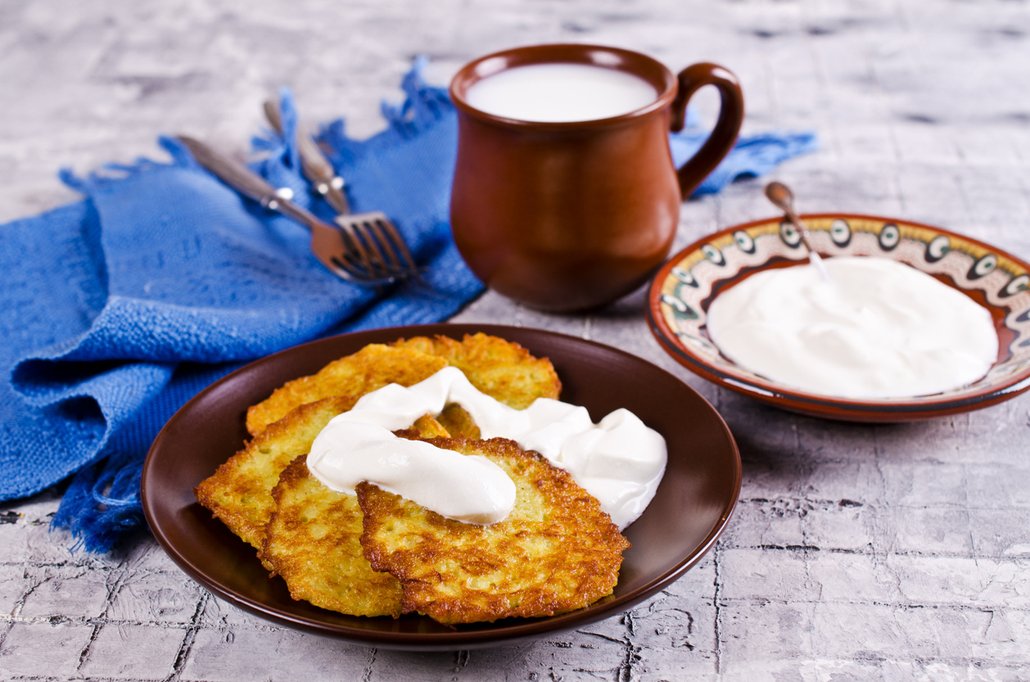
[{"x": 121, "y": 307}]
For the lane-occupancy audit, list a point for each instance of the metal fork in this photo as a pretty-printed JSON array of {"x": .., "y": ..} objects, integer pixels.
[
  {"x": 339, "y": 253},
  {"x": 378, "y": 237}
]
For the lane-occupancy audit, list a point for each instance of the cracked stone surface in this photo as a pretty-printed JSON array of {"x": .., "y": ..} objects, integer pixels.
[{"x": 856, "y": 552}]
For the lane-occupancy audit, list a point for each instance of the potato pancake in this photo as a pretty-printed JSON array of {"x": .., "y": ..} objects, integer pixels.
[{"x": 557, "y": 551}]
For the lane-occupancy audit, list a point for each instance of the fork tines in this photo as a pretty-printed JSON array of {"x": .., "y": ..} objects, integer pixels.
[{"x": 379, "y": 249}]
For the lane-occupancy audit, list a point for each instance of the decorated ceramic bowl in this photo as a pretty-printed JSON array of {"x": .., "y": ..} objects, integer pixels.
[{"x": 687, "y": 284}]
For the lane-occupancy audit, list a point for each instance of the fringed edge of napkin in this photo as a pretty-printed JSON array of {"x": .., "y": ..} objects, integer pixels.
[
  {"x": 111, "y": 174},
  {"x": 102, "y": 504},
  {"x": 423, "y": 106}
]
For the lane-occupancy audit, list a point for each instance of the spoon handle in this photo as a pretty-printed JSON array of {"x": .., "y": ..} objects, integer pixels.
[{"x": 780, "y": 195}]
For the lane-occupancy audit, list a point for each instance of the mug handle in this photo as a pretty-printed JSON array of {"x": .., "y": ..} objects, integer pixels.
[{"x": 724, "y": 135}]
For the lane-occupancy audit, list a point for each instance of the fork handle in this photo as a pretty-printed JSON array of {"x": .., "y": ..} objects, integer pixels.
[{"x": 314, "y": 164}]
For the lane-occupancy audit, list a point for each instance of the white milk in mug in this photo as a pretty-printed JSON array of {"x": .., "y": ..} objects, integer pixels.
[{"x": 560, "y": 92}]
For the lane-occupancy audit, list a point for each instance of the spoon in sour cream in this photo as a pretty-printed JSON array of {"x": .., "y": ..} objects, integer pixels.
[{"x": 783, "y": 198}]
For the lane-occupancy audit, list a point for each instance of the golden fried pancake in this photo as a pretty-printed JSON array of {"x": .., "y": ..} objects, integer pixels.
[
  {"x": 239, "y": 493},
  {"x": 499, "y": 368},
  {"x": 372, "y": 367},
  {"x": 557, "y": 551},
  {"x": 313, "y": 541}
]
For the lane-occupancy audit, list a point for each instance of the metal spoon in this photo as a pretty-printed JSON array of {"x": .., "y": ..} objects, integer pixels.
[{"x": 783, "y": 198}]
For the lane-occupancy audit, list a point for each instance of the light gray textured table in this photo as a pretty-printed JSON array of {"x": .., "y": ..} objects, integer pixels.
[{"x": 855, "y": 551}]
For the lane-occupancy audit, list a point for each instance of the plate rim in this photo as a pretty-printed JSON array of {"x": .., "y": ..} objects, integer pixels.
[
  {"x": 888, "y": 410},
  {"x": 418, "y": 641}
]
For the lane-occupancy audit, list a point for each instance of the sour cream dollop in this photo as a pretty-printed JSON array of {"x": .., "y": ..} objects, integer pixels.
[
  {"x": 620, "y": 460},
  {"x": 877, "y": 329}
]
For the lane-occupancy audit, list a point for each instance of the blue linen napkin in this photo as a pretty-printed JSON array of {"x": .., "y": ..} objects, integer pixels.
[{"x": 121, "y": 307}]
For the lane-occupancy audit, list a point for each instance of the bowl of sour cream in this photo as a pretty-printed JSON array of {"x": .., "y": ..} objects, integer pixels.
[{"x": 912, "y": 321}]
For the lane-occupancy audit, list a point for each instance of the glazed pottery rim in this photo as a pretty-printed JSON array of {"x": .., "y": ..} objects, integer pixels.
[
  {"x": 524, "y": 55},
  {"x": 521, "y": 629},
  {"x": 813, "y": 403}
]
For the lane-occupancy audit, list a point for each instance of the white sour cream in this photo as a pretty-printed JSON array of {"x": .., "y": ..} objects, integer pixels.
[
  {"x": 620, "y": 461},
  {"x": 877, "y": 329}
]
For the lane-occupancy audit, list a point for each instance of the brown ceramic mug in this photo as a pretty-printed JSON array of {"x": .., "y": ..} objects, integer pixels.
[{"x": 570, "y": 215}]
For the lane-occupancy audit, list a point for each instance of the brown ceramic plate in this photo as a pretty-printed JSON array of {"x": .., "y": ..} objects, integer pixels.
[
  {"x": 689, "y": 511},
  {"x": 687, "y": 284}
]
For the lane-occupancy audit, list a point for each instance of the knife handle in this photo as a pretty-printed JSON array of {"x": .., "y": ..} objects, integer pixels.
[{"x": 315, "y": 166}]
